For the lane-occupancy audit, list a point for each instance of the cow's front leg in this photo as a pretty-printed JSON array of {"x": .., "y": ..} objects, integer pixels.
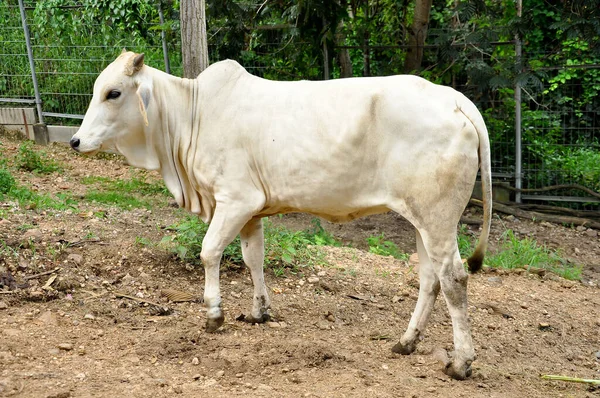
[
  {"x": 253, "y": 251},
  {"x": 224, "y": 227}
]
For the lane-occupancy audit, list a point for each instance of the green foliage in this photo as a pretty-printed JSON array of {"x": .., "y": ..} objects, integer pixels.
[
  {"x": 135, "y": 192},
  {"x": 521, "y": 253},
  {"x": 29, "y": 159},
  {"x": 283, "y": 248},
  {"x": 378, "y": 245},
  {"x": 524, "y": 253},
  {"x": 134, "y": 185},
  {"x": 7, "y": 181},
  {"x": 114, "y": 198},
  {"x": 465, "y": 241}
]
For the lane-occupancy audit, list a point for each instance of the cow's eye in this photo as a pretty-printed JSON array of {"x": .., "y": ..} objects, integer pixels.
[{"x": 112, "y": 94}]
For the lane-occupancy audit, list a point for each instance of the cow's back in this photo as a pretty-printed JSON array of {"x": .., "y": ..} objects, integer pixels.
[{"x": 337, "y": 147}]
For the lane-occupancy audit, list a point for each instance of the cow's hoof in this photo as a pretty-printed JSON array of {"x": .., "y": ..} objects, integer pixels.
[
  {"x": 250, "y": 319},
  {"x": 404, "y": 349},
  {"x": 458, "y": 372},
  {"x": 213, "y": 324}
]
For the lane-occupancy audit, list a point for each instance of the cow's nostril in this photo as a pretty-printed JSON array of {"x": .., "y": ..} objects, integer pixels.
[{"x": 74, "y": 143}]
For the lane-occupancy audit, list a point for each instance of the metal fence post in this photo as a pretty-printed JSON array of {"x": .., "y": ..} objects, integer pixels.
[
  {"x": 38, "y": 98},
  {"x": 518, "y": 137}
]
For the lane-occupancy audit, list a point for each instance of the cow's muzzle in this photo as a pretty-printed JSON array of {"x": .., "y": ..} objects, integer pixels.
[{"x": 75, "y": 143}]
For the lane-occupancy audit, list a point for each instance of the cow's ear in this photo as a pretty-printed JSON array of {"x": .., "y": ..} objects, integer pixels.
[
  {"x": 124, "y": 50},
  {"x": 138, "y": 62},
  {"x": 134, "y": 64},
  {"x": 144, "y": 96}
]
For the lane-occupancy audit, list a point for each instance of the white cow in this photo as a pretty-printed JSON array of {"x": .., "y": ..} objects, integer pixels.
[{"x": 234, "y": 148}]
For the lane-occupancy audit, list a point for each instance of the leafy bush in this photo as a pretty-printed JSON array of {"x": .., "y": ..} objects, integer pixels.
[
  {"x": 7, "y": 181},
  {"x": 29, "y": 160}
]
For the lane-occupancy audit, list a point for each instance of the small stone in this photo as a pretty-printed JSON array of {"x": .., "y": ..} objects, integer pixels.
[
  {"x": 494, "y": 280},
  {"x": 3, "y": 305},
  {"x": 397, "y": 299},
  {"x": 89, "y": 316},
  {"x": 321, "y": 273},
  {"x": 195, "y": 361},
  {"x": 80, "y": 376},
  {"x": 177, "y": 389},
  {"x": 330, "y": 317},
  {"x": 65, "y": 346},
  {"x": 54, "y": 351},
  {"x": 161, "y": 382},
  {"x": 580, "y": 228},
  {"x": 220, "y": 373},
  {"x": 313, "y": 279},
  {"x": 592, "y": 233},
  {"x": 524, "y": 306},
  {"x": 34, "y": 235},
  {"x": 431, "y": 389},
  {"x": 239, "y": 375},
  {"x": 274, "y": 325},
  {"x": 567, "y": 284},
  {"x": 198, "y": 376},
  {"x": 543, "y": 326},
  {"x": 75, "y": 258},
  {"x": 598, "y": 355}
]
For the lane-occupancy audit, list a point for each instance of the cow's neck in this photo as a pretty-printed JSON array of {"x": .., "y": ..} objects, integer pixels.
[{"x": 177, "y": 115}]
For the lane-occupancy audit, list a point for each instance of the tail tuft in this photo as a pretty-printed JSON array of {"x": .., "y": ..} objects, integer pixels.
[{"x": 475, "y": 262}]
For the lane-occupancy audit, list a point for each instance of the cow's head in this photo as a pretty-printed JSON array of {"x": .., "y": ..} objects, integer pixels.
[{"x": 117, "y": 116}]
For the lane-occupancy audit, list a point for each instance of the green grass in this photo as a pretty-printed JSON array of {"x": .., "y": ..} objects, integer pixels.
[
  {"x": 10, "y": 189},
  {"x": 525, "y": 253},
  {"x": 121, "y": 200},
  {"x": 284, "y": 249},
  {"x": 7, "y": 181},
  {"x": 125, "y": 194},
  {"x": 522, "y": 253},
  {"x": 378, "y": 245},
  {"x": 28, "y": 159},
  {"x": 136, "y": 185}
]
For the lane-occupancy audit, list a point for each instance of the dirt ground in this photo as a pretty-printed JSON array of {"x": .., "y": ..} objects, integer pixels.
[{"x": 83, "y": 334}]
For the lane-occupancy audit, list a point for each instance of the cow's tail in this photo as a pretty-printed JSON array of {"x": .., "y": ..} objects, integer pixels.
[{"x": 475, "y": 262}]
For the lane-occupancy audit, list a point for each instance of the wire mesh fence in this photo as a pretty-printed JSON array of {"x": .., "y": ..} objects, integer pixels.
[
  {"x": 16, "y": 85},
  {"x": 560, "y": 126},
  {"x": 561, "y": 136}
]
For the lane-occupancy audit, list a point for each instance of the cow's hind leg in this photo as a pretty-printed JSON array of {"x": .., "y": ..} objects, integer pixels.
[
  {"x": 429, "y": 287},
  {"x": 253, "y": 251},
  {"x": 224, "y": 227},
  {"x": 443, "y": 252}
]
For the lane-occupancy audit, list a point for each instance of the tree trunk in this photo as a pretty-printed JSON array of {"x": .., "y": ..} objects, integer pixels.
[
  {"x": 416, "y": 36},
  {"x": 343, "y": 56},
  {"x": 194, "y": 47}
]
